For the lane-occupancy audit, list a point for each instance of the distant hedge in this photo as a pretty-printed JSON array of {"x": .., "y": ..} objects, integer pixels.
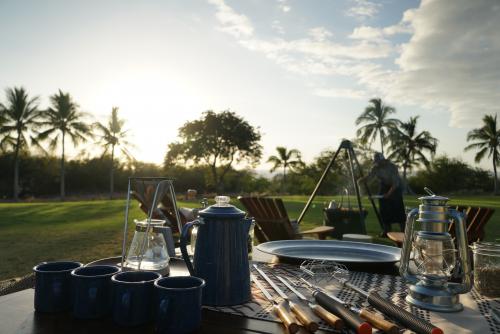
[
  {"x": 451, "y": 175},
  {"x": 39, "y": 177}
]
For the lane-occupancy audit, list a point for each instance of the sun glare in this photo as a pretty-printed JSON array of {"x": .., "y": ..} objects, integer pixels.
[{"x": 154, "y": 106}]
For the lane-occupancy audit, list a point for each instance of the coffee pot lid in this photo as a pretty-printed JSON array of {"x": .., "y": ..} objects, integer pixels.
[{"x": 222, "y": 209}]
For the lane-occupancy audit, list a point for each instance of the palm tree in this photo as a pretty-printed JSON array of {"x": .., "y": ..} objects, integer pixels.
[
  {"x": 114, "y": 136},
  {"x": 64, "y": 119},
  {"x": 487, "y": 140},
  {"x": 376, "y": 122},
  {"x": 21, "y": 116},
  {"x": 6, "y": 140},
  {"x": 408, "y": 147},
  {"x": 286, "y": 159}
]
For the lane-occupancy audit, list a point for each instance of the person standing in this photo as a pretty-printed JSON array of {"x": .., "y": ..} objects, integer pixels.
[{"x": 391, "y": 206}]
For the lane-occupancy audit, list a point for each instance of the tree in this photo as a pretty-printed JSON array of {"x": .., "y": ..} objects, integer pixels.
[
  {"x": 487, "y": 140},
  {"x": 114, "y": 136},
  {"x": 6, "y": 140},
  {"x": 286, "y": 159},
  {"x": 444, "y": 173},
  {"x": 64, "y": 119},
  {"x": 376, "y": 122},
  {"x": 217, "y": 140},
  {"x": 21, "y": 119},
  {"x": 408, "y": 147}
]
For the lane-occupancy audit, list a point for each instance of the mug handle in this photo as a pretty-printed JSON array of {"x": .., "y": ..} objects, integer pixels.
[{"x": 183, "y": 243}]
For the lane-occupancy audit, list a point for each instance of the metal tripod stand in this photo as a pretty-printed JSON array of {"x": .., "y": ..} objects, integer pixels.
[{"x": 347, "y": 146}]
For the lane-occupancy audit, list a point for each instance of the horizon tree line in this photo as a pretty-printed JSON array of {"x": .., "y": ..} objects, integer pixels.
[
  {"x": 407, "y": 147},
  {"x": 24, "y": 125}
]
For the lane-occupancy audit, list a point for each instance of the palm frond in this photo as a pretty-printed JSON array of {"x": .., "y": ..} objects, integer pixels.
[
  {"x": 486, "y": 139},
  {"x": 276, "y": 161},
  {"x": 113, "y": 134},
  {"x": 480, "y": 155}
]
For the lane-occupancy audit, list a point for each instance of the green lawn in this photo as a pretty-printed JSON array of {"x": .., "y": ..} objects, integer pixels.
[{"x": 87, "y": 230}]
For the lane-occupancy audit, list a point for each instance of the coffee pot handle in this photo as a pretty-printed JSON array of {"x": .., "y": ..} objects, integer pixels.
[{"x": 183, "y": 244}]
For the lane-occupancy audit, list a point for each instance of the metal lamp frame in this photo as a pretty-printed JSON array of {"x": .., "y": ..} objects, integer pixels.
[{"x": 430, "y": 293}]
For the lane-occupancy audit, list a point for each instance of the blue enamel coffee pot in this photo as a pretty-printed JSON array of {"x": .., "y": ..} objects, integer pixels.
[{"x": 221, "y": 253}]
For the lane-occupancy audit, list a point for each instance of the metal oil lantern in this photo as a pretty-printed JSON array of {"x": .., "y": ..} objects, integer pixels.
[{"x": 435, "y": 256}]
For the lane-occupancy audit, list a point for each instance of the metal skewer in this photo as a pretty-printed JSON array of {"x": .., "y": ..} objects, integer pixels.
[
  {"x": 328, "y": 317},
  {"x": 301, "y": 314},
  {"x": 351, "y": 319},
  {"x": 372, "y": 318},
  {"x": 278, "y": 308},
  {"x": 330, "y": 269},
  {"x": 375, "y": 320}
]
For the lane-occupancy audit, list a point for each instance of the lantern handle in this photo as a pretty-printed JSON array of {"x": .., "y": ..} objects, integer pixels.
[
  {"x": 463, "y": 254},
  {"x": 429, "y": 191},
  {"x": 407, "y": 246}
]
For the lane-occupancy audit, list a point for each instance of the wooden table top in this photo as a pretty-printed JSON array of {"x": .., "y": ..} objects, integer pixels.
[{"x": 17, "y": 316}]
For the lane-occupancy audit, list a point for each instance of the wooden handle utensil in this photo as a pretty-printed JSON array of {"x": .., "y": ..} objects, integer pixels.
[
  {"x": 279, "y": 309},
  {"x": 378, "y": 322},
  {"x": 287, "y": 318},
  {"x": 303, "y": 316},
  {"x": 328, "y": 317}
]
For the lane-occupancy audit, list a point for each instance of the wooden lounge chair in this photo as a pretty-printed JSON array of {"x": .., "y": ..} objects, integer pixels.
[
  {"x": 476, "y": 220},
  {"x": 166, "y": 211},
  {"x": 272, "y": 222}
]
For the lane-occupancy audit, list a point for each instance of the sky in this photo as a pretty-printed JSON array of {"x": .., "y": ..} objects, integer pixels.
[{"x": 301, "y": 71}]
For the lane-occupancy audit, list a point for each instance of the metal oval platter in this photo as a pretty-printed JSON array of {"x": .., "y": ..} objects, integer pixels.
[{"x": 333, "y": 250}]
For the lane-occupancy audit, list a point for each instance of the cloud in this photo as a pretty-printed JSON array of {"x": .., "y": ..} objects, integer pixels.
[
  {"x": 363, "y": 9},
  {"x": 282, "y": 4},
  {"x": 341, "y": 93},
  {"x": 320, "y": 34},
  {"x": 315, "y": 54},
  {"x": 452, "y": 60},
  {"x": 403, "y": 27},
  {"x": 368, "y": 32},
  {"x": 276, "y": 26},
  {"x": 365, "y": 32},
  {"x": 231, "y": 22},
  {"x": 322, "y": 50}
]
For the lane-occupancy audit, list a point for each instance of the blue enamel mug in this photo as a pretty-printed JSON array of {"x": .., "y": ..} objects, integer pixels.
[
  {"x": 53, "y": 285},
  {"x": 178, "y": 304},
  {"x": 92, "y": 291},
  {"x": 133, "y": 297}
]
